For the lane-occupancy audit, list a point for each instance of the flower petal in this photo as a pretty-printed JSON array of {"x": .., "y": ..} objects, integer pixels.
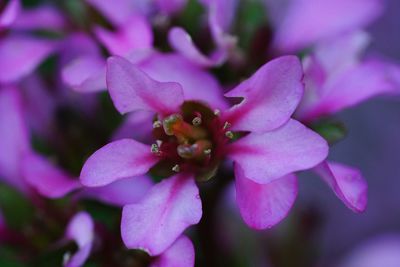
[
  {"x": 81, "y": 230},
  {"x": 14, "y": 136},
  {"x": 181, "y": 41},
  {"x": 309, "y": 21},
  {"x": 269, "y": 156},
  {"x": 21, "y": 54},
  {"x": 117, "y": 160},
  {"x": 264, "y": 205},
  {"x": 131, "y": 89},
  {"x": 134, "y": 34},
  {"x": 196, "y": 83},
  {"x": 179, "y": 254},
  {"x": 85, "y": 74},
  {"x": 45, "y": 17},
  {"x": 118, "y": 12},
  {"x": 271, "y": 95},
  {"x": 159, "y": 219},
  {"x": 347, "y": 183},
  {"x": 46, "y": 178},
  {"x": 121, "y": 192},
  {"x": 10, "y": 13}
]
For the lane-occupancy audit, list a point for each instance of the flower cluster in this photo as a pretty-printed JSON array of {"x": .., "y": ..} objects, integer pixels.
[{"x": 252, "y": 112}]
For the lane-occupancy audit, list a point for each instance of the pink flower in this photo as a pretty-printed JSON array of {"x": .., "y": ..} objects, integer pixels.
[{"x": 191, "y": 140}]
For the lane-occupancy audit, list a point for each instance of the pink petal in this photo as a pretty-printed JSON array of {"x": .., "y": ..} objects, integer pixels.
[
  {"x": 348, "y": 184},
  {"x": 264, "y": 205},
  {"x": 117, "y": 160},
  {"x": 309, "y": 21},
  {"x": 121, "y": 192},
  {"x": 171, "y": 6},
  {"x": 131, "y": 89},
  {"x": 44, "y": 17},
  {"x": 181, "y": 41},
  {"x": 85, "y": 74},
  {"x": 78, "y": 45},
  {"x": 179, "y": 254},
  {"x": 272, "y": 155},
  {"x": 136, "y": 33},
  {"x": 159, "y": 219},
  {"x": 21, "y": 54},
  {"x": 197, "y": 84},
  {"x": 10, "y": 13},
  {"x": 271, "y": 95},
  {"x": 14, "y": 136},
  {"x": 81, "y": 230},
  {"x": 138, "y": 125},
  {"x": 49, "y": 180}
]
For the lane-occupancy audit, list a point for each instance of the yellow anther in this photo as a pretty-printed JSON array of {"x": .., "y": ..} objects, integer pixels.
[
  {"x": 229, "y": 134},
  {"x": 157, "y": 124}
]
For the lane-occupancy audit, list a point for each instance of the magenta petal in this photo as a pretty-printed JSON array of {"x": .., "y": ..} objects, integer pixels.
[
  {"x": 117, "y": 12},
  {"x": 10, "y": 13},
  {"x": 136, "y": 33},
  {"x": 181, "y": 41},
  {"x": 81, "y": 230},
  {"x": 309, "y": 21},
  {"x": 121, "y": 192},
  {"x": 159, "y": 219},
  {"x": 45, "y": 17},
  {"x": 271, "y": 95},
  {"x": 21, "y": 54},
  {"x": 171, "y": 6},
  {"x": 348, "y": 184},
  {"x": 46, "y": 178},
  {"x": 117, "y": 160},
  {"x": 14, "y": 136},
  {"x": 272, "y": 155},
  {"x": 264, "y": 205},
  {"x": 197, "y": 84},
  {"x": 179, "y": 254},
  {"x": 131, "y": 89},
  {"x": 85, "y": 74}
]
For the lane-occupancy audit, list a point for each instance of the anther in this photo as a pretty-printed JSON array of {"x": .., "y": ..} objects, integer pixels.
[
  {"x": 176, "y": 168},
  {"x": 227, "y": 125},
  {"x": 207, "y": 151},
  {"x": 229, "y": 134},
  {"x": 217, "y": 112},
  {"x": 157, "y": 124},
  {"x": 155, "y": 149},
  {"x": 196, "y": 121}
]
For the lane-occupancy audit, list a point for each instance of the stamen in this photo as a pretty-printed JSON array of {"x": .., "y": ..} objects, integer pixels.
[
  {"x": 217, "y": 112},
  {"x": 176, "y": 168},
  {"x": 227, "y": 125},
  {"x": 157, "y": 124},
  {"x": 207, "y": 151},
  {"x": 155, "y": 149},
  {"x": 229, "y": 134},
  {"x": 196, "y": 121}
]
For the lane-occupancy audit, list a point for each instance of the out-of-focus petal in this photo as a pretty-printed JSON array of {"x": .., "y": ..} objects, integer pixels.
[
  {"x": 117, "y": 160},
  {"x": 44, "y": 17},
  {"x": 272, "y": 155},
  {"x": 49, "y": 180},
  {"x": 271, "y": 95},
  {"x": 81, "y": 230},
  {"x": 348, "y": 184},
  {"x": 179, "y": 254},
  {"x": 131, "y": 89},
  {"x": 134, "y": 34},
  {"x": 181, "y": 41},
  {"x": 10, "y": 13},
  {"x": 264, "y": 205},
  {"x": 308, "y": 21},
  {"x": 138, "y": 126},
  {"x": 121, "y": 192},
  {"x": 14, "y": 136},
  {"x": 159, "y": 219},
  {"x": 21, "y": 54},
  {"x": 376, "y": 252},
  {"x": 77, "y": 45},
  {"x": 171, "y": 6},
  {"x": 85, "y": 74},
  {"x": 196, "y": 83}
]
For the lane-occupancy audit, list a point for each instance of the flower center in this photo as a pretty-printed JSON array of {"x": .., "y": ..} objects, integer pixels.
[{"x": 192, "y": 140}]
